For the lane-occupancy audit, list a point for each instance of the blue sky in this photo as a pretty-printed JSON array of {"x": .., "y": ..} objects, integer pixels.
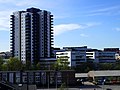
[{"x": 95, "y": 23}]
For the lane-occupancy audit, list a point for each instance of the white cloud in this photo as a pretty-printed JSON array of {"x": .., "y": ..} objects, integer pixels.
[
  {"x": 59, "y": 29},
  {"x": 5, "y": 20},
  {"x": 117, "y": 29},
  {"x": 92, "y": 24},
  {"x": 17, "y": 2},
  {"x": 83, "y": 35},
  {"x": 113, "y": 10},
  {"x": 26, "y": 2},
  {"x": 29, "y": 3},
  {"x": 106, "y": 9},
  {"x": 6, "y": 1}
]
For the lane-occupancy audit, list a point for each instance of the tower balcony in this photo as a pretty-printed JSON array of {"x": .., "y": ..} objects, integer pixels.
[
  {"x": 52, "y": 30},
  {"x": 11, "y": 16}
]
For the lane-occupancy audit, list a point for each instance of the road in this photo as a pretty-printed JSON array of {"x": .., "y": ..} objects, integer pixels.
[{"x": 99, "y": 87}]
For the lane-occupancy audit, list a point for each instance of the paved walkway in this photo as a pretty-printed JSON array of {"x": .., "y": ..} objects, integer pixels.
[{"x": 100, "y": 87}]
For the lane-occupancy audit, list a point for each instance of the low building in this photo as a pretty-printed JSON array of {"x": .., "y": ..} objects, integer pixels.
[
  {"x": 47, "y": 63},
  {"x": 40, "y": 77},
  {"x": 105, "y": 76},
  {"x": 5, "y": 55}
]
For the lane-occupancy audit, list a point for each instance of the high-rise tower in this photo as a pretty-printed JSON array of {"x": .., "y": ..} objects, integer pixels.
[{"x": 31, "y": 34}]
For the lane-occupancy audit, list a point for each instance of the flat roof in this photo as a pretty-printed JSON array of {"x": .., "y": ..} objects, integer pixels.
[
  {"x": 104, "y": 73},
  {"x": 81, "y": 75}
]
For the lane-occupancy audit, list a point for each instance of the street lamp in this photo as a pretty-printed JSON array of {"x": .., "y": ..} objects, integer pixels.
[
  {"x": 43, "y": 78},
  {"x": 56, "y": 79},
  {"x": 103, "y": 83},
  {"x": 48, "y": 81}
]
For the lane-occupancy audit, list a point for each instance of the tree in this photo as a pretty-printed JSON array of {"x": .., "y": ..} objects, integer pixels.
[
  {"x": 85, "y": 67},
  {"x": 62, "y": 63},
  {"x": 63, "y": 87},
  {"x": 116, "y": 66},
  {"x": 28, "y": 65},
  {"x": 1, "y": 62},
  {"x": 13, "y": 64},
  {"x": 38, "y": 66},
  {"x": 105, "y": 66}
]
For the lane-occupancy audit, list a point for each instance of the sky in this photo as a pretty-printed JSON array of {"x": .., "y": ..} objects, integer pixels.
[{"x": 92, "y": 23}]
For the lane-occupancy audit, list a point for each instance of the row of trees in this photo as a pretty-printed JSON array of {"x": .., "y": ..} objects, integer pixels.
[
  {"x": 87, "y": 66},
  {"x": 15, "y": 64},
  {"x": 62, "y": 63}
]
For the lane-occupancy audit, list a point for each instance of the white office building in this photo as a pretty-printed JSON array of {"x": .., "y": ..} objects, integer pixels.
[
  {"x": 76, "y": 55},
  {"x": 79, "y": 55}
]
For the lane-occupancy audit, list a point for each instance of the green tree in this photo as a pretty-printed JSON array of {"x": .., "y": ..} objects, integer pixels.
[
  {"x": 85, "y": 67},
  {"x": 13, "y": 64},
  {"x": 116, "y": 66},
  {"x": 28, "y": 65},
  {"x": 4, "y": 67},
  {"x": 105, "y": 66},
  {"x": 1, "y": 62},
  {"x": 63, "y": 87},
  {"x": 38, "y": 66},
  {"x": 62, "y": 63}
]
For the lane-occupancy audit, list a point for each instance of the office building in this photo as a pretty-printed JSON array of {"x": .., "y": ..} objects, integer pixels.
[
  {"x": 76, "y": 55},
  {"x": 99, "y": 56},
  {"x": 31, "y": 35}
]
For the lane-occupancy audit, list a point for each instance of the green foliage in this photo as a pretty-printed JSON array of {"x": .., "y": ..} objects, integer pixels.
[
  {"x": 62, "y": 63},
  {"x": 28, "y": 65},
  {"x": 85, "y": 67},
  {"x": 1, "y": 62},
  {"x": 106, "y": 66},
  {"x": 13, "y": 64},
  {"x": 4, "y": 67},
  {"x": 38, "y": 66},
  {"x": 63, "y": 87}
]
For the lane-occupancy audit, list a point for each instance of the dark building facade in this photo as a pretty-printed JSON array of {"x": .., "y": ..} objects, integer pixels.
[
  {"x": 31, "y": 34},
  {"x": 41, "y": 78}
]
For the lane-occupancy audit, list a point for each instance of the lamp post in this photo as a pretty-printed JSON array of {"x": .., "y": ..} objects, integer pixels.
[
  {"x": 27, "y": 81},
  {"x": 48, "y": 81},
  {"x": 103, "y": 83},
  {"x": 43, "y": 79},
  {"x": 56, "y": 78},
  {"x": 67, "y": 80}
]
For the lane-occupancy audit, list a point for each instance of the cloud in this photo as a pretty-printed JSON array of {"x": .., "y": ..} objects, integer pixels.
[
  {"x": 113, "y": 10},
  {"x": 83, "y": 35},
  {"x": 117, "y": 29},
  {"x": 26, "y": 2},
  {"x": 58, "y": 29},
  {"x": 5, "y": 20},
  {"x": 17, "y": 2},
  {"x": 61, "y": 28},
  {"x": 106, "y": 9},
  {"x": 30, "y": 3}
]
